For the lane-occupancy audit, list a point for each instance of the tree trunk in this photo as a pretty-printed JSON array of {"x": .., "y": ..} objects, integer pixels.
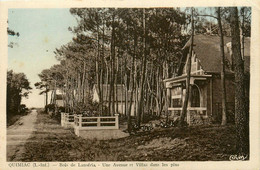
[
  {"x": 83, "y": 81},
  {"x": 98, "y": 67},
  {"x": 242, "y": 127},
  {"x": 112, "y": 82},
  {"x": 132, "y": 81},
  {"x": 131, "y": 96},
  {"x": 102, "y": 69},
  {"x": 52, "y": 94},
  {"x": 116, "y": 96},
  {"x": 122, "y": 88},
  {"x": 184, "y": 107},
  {"x": 242, "y": 33},
  {"x": 106, "y": 88},
  {"x": 140, "y": 103},
  {"x": 223, "y": 85},
  {"x": 46, "y": 99},
  {"x": 158, "y": 94},
  {"x": 126, "y": 89},
  {"x": 166, "y": 93}
]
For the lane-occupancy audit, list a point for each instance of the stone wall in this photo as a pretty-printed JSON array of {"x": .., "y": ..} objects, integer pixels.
[{"x": 196, "y": 117}]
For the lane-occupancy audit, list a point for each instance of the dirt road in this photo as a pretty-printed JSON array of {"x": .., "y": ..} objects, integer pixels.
[{"x": 17, "y": 135}]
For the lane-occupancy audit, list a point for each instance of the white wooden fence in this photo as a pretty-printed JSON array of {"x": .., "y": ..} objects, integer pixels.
[
  {"x": 87, "y": 125},
  {"x": 67, "y": 120},
  {"x": 103, "y": 122}
]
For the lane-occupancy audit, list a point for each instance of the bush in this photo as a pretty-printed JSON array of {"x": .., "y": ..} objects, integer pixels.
[
  {"x": 80, "y": 107},
  {"x": 90, "y": 108},
  {"x": 23, "y": 109},
  {"x": 50, "y": 108},
  {"x": 149, "y": 117},
  {"x": 56, "y": 115},
  {"x": 12, "y": 117},
  {"x": 61, "y": 109}
]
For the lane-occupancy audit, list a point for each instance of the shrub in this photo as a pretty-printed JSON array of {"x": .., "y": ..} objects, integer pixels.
[
  {"x": 23, "y": 109},
  {"x": 61, "y": 109},
  {"x": 50, "y": 107},
  {"x": 90, "y": 108},
  {"x": 80, "y": 107},
  {"x": 56, "y": 115}
]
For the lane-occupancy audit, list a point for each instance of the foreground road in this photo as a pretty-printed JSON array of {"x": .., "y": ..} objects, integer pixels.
[
  {"x": 51, "y": 142},
  {"x": 18, "y": 134}
]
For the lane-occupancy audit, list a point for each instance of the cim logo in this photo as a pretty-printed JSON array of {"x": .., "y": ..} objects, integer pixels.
[{"x": 237, "y": 158}]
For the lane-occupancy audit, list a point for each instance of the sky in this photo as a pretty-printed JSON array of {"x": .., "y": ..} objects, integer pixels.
[{"x": 41, "y": 31}]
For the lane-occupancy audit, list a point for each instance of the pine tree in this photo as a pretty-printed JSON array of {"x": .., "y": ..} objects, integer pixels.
[{"x": 242, "y": 130}]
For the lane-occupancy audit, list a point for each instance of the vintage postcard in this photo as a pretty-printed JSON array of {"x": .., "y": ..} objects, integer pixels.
[{"x": 129, "y": 84}]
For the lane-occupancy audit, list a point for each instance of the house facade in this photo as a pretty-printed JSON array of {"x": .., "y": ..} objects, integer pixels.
[
  {"x": 59, "y": 100},
  {"x": 205, "y": 98},
  {"x": 121, "y": 96}
]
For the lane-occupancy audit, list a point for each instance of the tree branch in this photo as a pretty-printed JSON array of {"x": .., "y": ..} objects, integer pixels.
[{"x": 207, "y": 16}]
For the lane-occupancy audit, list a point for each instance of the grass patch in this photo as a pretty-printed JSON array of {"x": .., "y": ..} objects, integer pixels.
[
  {"x": 51, "y": 142},
  {"x": 12, "y": 119}
]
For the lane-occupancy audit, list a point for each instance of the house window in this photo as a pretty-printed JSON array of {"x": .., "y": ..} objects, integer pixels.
[
  {"x": 195, "y": 96},
  {"x": 176, "y": 97},
  {"x": 176, "y": 102}
]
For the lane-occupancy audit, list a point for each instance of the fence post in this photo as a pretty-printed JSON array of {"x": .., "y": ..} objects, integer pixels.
[
  {"x": 64, "y": 119},
  {"x": 98, "y": 122},
  {"x": 116, "y": 121},
  {"x": 75, "y": 122},
  {"x": 80, "y": 121}
]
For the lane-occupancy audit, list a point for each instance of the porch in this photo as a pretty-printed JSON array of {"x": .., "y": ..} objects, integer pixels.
[{"x": 199, "y": 102}]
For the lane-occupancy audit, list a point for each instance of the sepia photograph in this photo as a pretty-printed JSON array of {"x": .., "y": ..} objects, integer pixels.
[{"x": 145, "y": 84}]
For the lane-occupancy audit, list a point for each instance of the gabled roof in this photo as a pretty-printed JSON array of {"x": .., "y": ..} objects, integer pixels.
[
  {"x": 119, "y": 89},
  {"x": 207, "y": 49}
]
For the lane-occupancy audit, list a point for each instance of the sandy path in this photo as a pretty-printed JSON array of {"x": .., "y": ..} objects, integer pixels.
[{"x": 17, "y": 135}]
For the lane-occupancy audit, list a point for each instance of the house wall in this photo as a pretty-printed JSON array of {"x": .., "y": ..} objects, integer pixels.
[
  {"x": 217, "y": 94},
  {"x": 95, "y": 95},
  {"x": 209, "y": 97},
  {"x": 217, "y": 90},
  {"x": 195, "y": 65},
  {"x": 122, "y": 106},
  {"x": 59, "y": 103},
  {"x": 123, "y": 111}
]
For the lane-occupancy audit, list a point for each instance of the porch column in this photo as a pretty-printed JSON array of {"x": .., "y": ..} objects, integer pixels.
[{"x": 168, "y": 102}]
